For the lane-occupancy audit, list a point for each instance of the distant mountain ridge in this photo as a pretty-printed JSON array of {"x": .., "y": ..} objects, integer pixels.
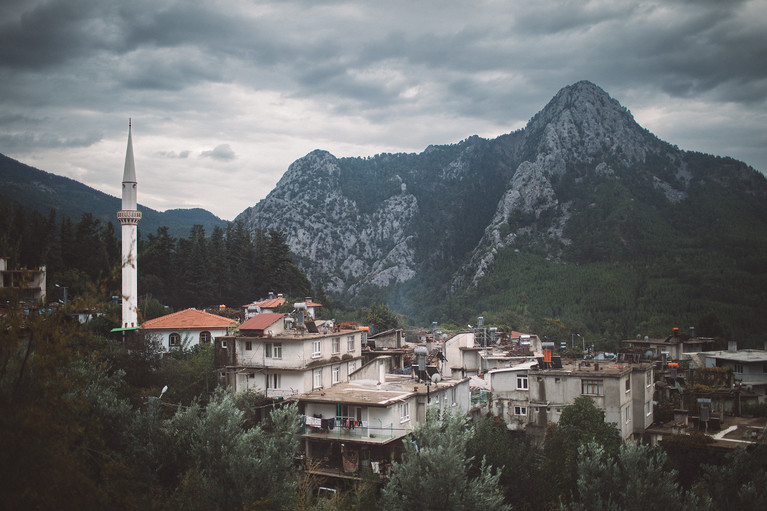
[
  {"x": 582, "y": 184},
  {"x": 42, "y": 191}
]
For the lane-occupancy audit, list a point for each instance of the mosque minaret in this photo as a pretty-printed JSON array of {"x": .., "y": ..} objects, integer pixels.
[{"x": 129, "y": 217}]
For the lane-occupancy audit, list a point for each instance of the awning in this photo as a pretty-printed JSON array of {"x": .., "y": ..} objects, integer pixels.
[{"x": 124, "y": 329}]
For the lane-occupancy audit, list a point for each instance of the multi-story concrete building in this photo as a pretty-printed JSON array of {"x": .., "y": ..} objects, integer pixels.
[
  {"x": 279, "y": 355},
  {"x": 359, "y": 424},
  {"x": 749, "y": 366},
  {"x": 30, "y": 284},
  {"x": 623, "y": 391},
  {"x": 510, "y": 393}
]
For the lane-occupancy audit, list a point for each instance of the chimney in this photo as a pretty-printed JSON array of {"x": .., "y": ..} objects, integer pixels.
[{"x": 732, "y": 345}]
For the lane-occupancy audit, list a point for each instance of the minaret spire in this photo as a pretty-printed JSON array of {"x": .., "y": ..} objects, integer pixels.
[{"x": 129, "y": 217}]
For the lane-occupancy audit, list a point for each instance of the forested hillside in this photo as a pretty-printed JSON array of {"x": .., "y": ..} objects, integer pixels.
[
  {"x": 582, "y": 217},
  {"x": 42, "y": 191},
  {"x": 229, "y": 266}
]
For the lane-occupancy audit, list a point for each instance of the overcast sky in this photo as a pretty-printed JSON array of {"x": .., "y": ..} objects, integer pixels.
[{"x": 225, "y": 95}]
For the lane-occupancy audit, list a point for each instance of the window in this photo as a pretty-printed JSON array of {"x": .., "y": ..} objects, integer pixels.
[
  {"x": 352, "y": 367},
  {"x": 453, "y": 399},
  {"x": 174, "y": 340},
  {"x": 592, "y": 387},
  {"x": 350, "y": 343},
  {"x": 204, "y": 337},
  {"x": 336, "y": 373},
  {"x": 522, "y": 382},
  {"x": 248, "y": 345},
  {"x": 404, "y": 412},
  {"x": 223, "y": 344},
  {"x": 273, "y": 381},
  {"x": 277, "y": 350},
  {"x": 738, "y": 368},
  {"x": 316, "y": 379},
  {"x": 649, "y": 378},
  {"x": 520, "y": 410},
  {"x": 268, "y": 350},
  {"x": 628, "y": 383},
  {"x": 648, "y": 408},
  {"x": 336, "y": 345},
  {"x": 627, "y": 415},
  {"x": 316, "y": 349}
]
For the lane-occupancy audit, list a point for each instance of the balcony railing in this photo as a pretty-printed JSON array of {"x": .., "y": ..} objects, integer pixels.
[
  {"x": 277, "y": 393},
  {"x": 341, "y": 431}
]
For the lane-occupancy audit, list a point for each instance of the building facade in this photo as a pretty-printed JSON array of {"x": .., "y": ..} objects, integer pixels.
[
  {"x": 187, "y": 328},
  {"x": 279, "y": 356}
]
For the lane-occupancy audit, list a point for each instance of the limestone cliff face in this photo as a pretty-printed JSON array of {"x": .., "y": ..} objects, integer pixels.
[
  {"x": 337, "y": 244},
  {"x": 581, "y": 168}
]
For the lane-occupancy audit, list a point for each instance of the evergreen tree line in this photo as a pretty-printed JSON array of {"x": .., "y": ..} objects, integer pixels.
[{"x": 230, "y": 267}]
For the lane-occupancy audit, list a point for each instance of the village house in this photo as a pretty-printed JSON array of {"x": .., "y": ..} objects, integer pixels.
[
  {"x": 676, "y": 346},
  {"x": 359, "y": 425},
  {"x": 390, "y": 343},
  {"x": 510, "y": 393},
  {"x": 281, "y": 355},
  {"x": 749, "y": 367},
  {"x": 30, "y": 283},
  {"x": 187, "y": 328},
  {"x": 273, "y": 302},
  {"x": 623, "y": 390}
]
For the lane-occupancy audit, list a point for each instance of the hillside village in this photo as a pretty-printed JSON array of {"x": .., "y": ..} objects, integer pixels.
[
  {"x": 278, "y": 403},
  {"x": 360, "y": 394}
]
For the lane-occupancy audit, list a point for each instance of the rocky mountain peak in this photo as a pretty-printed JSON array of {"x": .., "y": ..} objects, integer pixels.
[
  {"x": 582, "y": 174},
  {"x": 583, "y": 121}
]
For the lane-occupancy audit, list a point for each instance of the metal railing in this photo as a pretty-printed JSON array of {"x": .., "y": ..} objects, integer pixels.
[{"x": 341, "y": 431}]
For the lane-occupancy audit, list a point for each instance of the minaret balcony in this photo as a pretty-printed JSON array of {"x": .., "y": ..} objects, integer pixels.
[{"x": 128, "y": 216}]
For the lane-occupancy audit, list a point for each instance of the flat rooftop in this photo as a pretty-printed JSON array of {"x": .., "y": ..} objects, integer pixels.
[
  {"x": 592, "y": 368},
  {"x": 370, "y": 393}
]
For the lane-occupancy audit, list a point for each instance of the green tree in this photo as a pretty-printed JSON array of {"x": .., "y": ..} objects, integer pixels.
[
  {"x": 521, "y": 476},
  {"x": 380, "y": 317},
  {"x": 230, "y": 467},
  {"x": 635, "y": 478},
  {"x": 580, "y": 423},
  {"x": 741, "y": 481},
  {"x": 434, "y": 473}
]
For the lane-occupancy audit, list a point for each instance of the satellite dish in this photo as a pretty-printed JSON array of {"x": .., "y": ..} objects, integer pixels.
[{"x": 436, "y": 378}]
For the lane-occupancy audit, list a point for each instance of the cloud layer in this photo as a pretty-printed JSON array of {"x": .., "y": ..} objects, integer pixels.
[{"x": 225, "y": 95}]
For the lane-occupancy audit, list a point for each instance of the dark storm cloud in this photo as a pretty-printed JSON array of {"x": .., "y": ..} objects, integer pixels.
[{"x": 278, "y": 79}]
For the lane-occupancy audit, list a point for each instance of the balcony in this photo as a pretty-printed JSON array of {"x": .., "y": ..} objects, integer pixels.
[
  {"x": 366, "y": 434},
  {"x": 278, "y": 393}
]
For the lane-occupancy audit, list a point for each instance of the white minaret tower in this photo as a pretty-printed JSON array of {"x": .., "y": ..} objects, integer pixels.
[{"x": 129, "y": 217}]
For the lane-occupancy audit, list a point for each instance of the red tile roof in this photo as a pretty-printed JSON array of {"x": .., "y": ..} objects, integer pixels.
[
  {"x": 261, "y": 321},
  {"x": 188, "y": 319}
]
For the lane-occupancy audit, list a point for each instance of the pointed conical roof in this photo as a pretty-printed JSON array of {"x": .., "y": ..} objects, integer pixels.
[{"x": 129, "y": 174}]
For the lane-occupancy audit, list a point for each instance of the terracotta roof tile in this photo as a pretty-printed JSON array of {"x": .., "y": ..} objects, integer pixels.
[
  {"x": 188, "y": 319},
  {"x": 261, "y": 321}
]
